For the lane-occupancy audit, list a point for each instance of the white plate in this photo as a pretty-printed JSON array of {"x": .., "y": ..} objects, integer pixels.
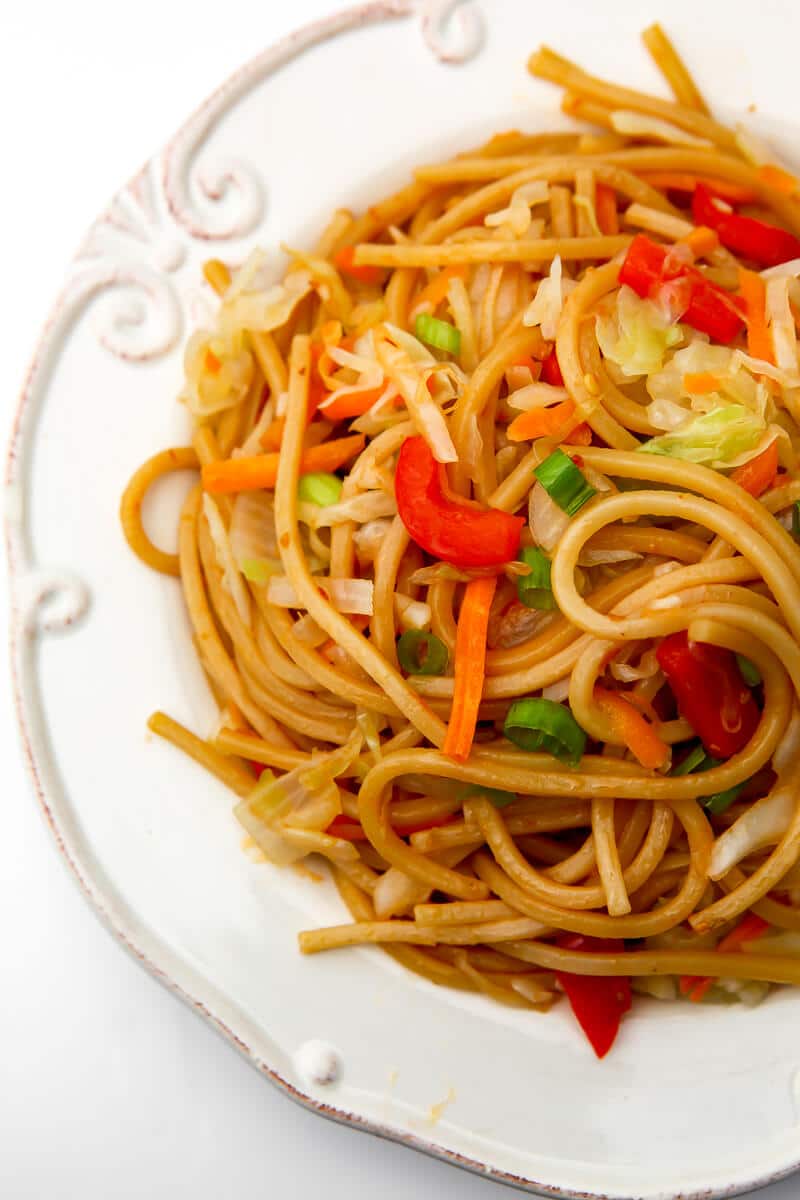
[{"x": 692, "y": 1100}]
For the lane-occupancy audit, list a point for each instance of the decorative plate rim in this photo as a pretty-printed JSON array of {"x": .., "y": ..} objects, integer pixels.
[{"x": 29, "y": 588}]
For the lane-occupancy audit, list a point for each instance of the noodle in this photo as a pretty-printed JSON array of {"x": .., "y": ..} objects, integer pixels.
[{"x": 596, "y": 767}]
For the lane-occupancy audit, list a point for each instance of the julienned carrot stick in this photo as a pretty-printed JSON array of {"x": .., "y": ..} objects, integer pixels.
[
  {"x": 549, "y": 422},
  {"x": 751, "y": 927},
  {"x": 261, "y": 471},
  {"x": 351, "y": 404},
  {"x": 754, "y": 293},
  {"x": 470, "y": 666},
  {"x": 436, "y": 291},
  {"x": 631, "y": 728},
  {"x": 759, "y": 473}
]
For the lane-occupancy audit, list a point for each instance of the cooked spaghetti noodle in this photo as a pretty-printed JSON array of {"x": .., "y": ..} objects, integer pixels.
[{"x": 493, "y": 566}]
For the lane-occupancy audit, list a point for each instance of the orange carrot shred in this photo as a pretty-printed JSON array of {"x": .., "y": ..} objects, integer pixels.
[
  {"x": 753, "y": 291},
  {"x": 345, "y": 261},
  {"x": 435, "y": 292},
  {"x": 751, "y": 927},
  {"x": 272, "y": 436},
  {"x": 700, "y": 383},
  {"x": 541, "y": 422},
  {"x": 630, "y": 727},
  {"x": 353, "y": 404},
  {"x": 757, "y": 475},
  {"x": 261, "y": 470},
  {"x": 470, "y": 666},
  {"x": 213, "y": 364},
  {"x": 702, "y": 241}
]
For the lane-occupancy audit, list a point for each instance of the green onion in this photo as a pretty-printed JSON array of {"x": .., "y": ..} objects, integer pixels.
[
  {"x": 534, "y": 590},
  {"x": 421, "y": 653},
  {"x": 721, "y": 801},
  {"x": 537, "y": 724},
  {"x": 439, "y": 334},
  {"x": 694, "y": 760},
  {"x": 564, "y": 482},
  {"x": 796, "y": 518},
  {"x": 318, "y": 487},
  {"x": 750, "y": 672}
]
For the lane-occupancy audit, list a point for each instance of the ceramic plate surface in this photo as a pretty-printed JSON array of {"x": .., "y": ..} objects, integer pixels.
[{"x": 692, "y": 1100}]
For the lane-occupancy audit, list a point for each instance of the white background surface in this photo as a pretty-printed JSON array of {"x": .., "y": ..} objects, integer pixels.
[{"x": 109, "y": 1087}]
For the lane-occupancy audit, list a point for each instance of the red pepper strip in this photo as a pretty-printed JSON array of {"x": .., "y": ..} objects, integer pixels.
[
  {"x": 764, "y": 244},
  {"x": 599, "y": 1002},
  {"x": 711, "y": 693},
  {"x": 759, "y": 473},
  {"x": 708, "y": 308},
  {"x": 450, "y": 529},
  {"x": 551, "y": 371},
  {"x": 749, "y": 928},
  {"x": 258, "y": 768}
]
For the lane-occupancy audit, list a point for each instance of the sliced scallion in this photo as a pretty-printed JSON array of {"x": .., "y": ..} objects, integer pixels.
[
  {"x": 721, "y": 801},
  {"x": 421, "y": 653},
  {"x": 534, "y": 590},
  {"x": 692, "y": 762},
  {"x": 564, "y": 482},
  {"x": 750, "y": 672},
  {"x": 319, "y": 487},
  {"x": 538, "y": 724},
  {"x": 439, "y": 334}
]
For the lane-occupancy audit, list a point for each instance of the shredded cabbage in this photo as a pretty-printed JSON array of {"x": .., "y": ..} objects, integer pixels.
[
  {"x": 637, "y": 334},
  {"x": 781, "y": 324},
  {"x": 252, "y": 529},
  {"x": 369, "y": 539},
  {"x": 368, "y": 506},
  {"x": 306, "y": 798},
  {"x": 346, "y": 595},
  {"x": 218, "y": 371},
  {"x": 412, "y": 614},
  {"x": 517, "y": 217},
  {"x": 717, "y": 438},
  {"x": 546, "y": 307},
  {"x": 231, "y": 576},
  {"x": 537, "y": 395},
  {"x": 401, "y": 359}
]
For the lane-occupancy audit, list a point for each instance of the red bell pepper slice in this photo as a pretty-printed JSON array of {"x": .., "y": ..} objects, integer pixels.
[
  {"x": 653, "y": 273},
  {"x": 762, "y": 243},
  {"x": 458, "y": 532},
  {"x": 551, "y": 371},
  {"x": 711, "y": 693},
  {"x": 599, "y": 1002}
]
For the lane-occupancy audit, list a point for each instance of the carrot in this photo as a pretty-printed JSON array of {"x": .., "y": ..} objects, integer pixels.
[
  {"x": 631, "y": 728},
  {"x": 344, "y": 261},
  {"x": 749, "y": 928},
  {"x": 753, "y": 291},
  {"x": 696, "y": 987},
  {"x": 782, "y": 181},
  {"x": 702, "y": 241},
  {"x": 759, "y": 473},
  {"x": 353, "y": 404},
  {"x": 470, "y": 665},
  {"x": 272, "y": 436},
  {"x": 700, "y": 383},
  {"x": 346, "y": 828},
  {"x": 435, "y": 292},
  {"x": 685, "y": 181},
  {"x": 605, "y": 207},
  {"x": 548, "y": 422},
  {"x": 261, "y": 470}
]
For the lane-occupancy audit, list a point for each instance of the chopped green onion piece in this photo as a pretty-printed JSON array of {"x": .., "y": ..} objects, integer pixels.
[
  {"x": 721, "y": 801},
  {"x": 564, "y": 482},
  {"x": 538, "y": 724},
  {"x": 694, "y": 761},
  {"x": 796, "y": 518},
  {"x": 534, "y": 590},
  {"x": 421, "y": 653},
  {"x": 439, "y": 334},
  {"x": 318, "y": 487},
  {"x": 259, "y": 570},
  {"x": 750, "y": 672},
  {"x": 499, "y": 799}
]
